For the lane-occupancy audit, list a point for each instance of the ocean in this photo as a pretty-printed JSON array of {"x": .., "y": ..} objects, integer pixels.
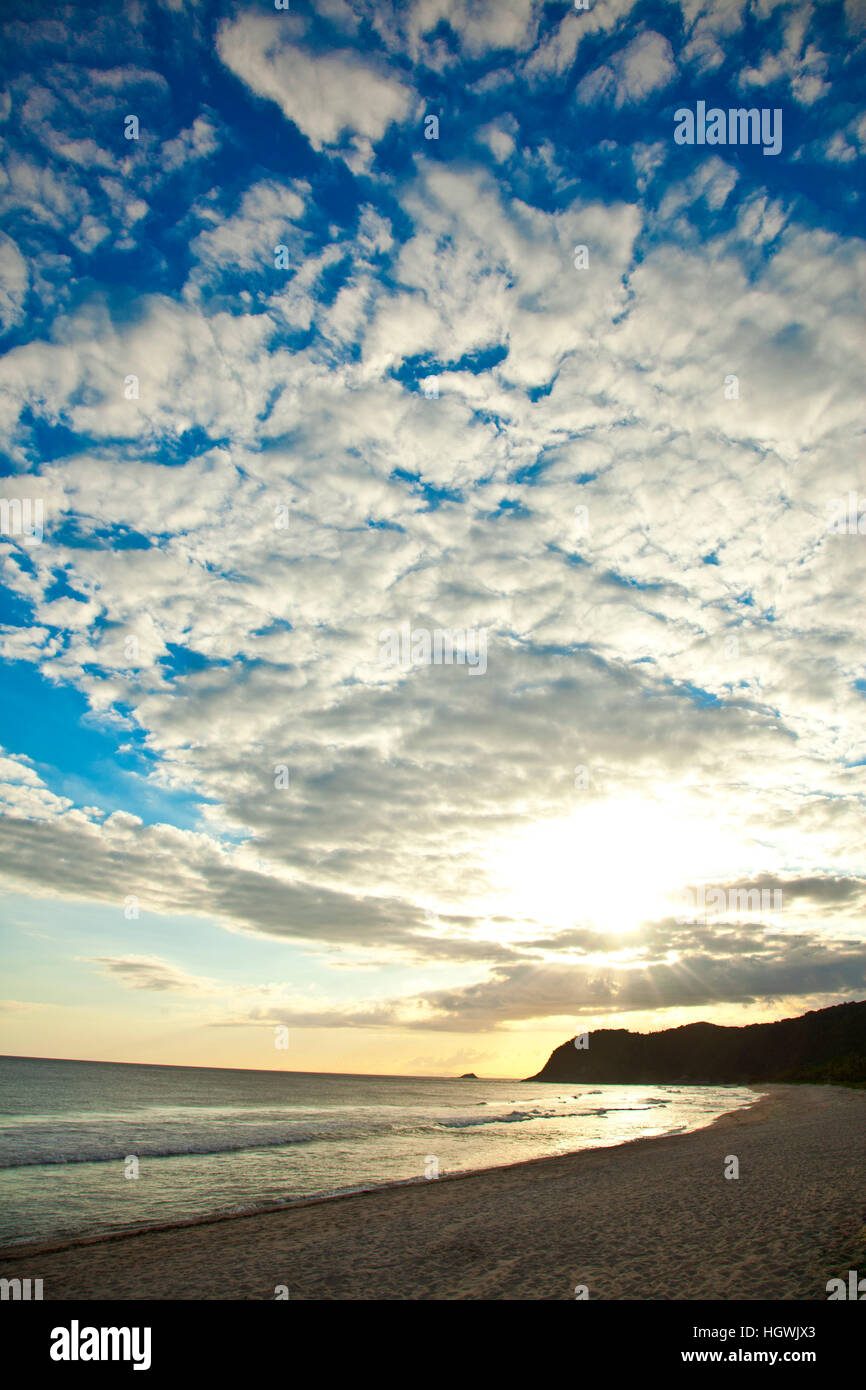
[{"x": 91, "y": 1147}]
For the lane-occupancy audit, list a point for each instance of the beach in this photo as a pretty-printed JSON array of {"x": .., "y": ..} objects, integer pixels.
[{"x": 651, "y": 1219}]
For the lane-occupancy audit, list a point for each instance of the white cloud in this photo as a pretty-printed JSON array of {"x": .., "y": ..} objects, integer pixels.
[
  {"x": 498, "y": 136},
  {"x": 643, "y": 66},
  {"x": 712, "y": 181},
  {"x": 647, "y": 160},
  {"x": 324, "y": 94},
  {"x": 708, "y": 25},
  {"x": 480, "y": 274},
  {"x": 49, "y": 197},
  {"x": 248, "y": 239},
  {"x": 199, "y": 141},
  {"x": 604, "y": 387},
  {"x": 481, "y": 27},
  {"x": 800, "y": 64},
  {"x": 14, "y": 282}
]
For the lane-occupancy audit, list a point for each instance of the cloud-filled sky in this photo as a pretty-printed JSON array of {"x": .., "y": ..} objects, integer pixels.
[{"x": 331, "y": 328}]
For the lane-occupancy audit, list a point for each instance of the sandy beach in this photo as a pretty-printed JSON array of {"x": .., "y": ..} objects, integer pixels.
[{"x": 653, "y": 1219}]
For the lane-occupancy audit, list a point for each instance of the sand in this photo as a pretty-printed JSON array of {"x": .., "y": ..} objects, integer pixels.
[{"x": 651, "y": 1219}]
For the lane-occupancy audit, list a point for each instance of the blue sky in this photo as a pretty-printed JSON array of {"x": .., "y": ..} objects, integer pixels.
[{"x": 299, "y": 364}]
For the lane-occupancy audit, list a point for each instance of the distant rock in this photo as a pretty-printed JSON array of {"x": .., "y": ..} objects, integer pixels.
[
  {"x": 824, "y": 1045},
  {"x": 468, "y": 1076}
]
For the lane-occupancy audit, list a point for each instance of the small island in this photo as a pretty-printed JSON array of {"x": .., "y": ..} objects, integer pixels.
[{"x": 468, "y": 1076}]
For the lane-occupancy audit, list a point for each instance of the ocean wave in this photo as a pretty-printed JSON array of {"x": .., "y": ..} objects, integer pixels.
[
  {"x": 515, "y": 1117},
  {"x": 162, "y": 1148}
]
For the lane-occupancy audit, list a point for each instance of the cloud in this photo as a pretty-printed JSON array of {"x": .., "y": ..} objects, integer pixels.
[
  {"x": 198, "y": 142},
  {"x": 799, "y": 64},
  {"x": 528, "y": 992},
  {"x": 480, "y": 27},
  {"x": 248, "y": 239},
  {"x": 499, "y": 137},
  {"x": 815, "y": 888},
  {"x": 712, "y": 181},
  {"x": 721, "y": 970},
  {"x": 49, "y": 197},
  {"x": 645, "y": 547},
  {"x": 645, "y": 65},
  {"x": 151, "y": 973},
  {"x": 14, "y": 282},
  {"x": 481, "y": 272},
  {"x": 555, "y": 52},
  {"x": 324, "y": 94},
  {"x": 708, "y": 27}
]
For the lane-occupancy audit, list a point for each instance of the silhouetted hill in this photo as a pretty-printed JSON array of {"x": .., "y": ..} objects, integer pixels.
[{"x": 823, "y": 1045}]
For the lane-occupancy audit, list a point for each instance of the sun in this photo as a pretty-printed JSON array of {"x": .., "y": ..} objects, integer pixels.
[{"x": 610, "y": 865}]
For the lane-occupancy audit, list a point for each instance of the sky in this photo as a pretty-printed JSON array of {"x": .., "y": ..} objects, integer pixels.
[{"x": 433, "y": 526}]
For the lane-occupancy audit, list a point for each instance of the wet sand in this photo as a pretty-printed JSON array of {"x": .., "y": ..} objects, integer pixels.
[{"x": 651, "y": 1219}]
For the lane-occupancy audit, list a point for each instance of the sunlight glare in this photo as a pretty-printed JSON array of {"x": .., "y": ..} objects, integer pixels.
[{"x": 611, "y": 865}]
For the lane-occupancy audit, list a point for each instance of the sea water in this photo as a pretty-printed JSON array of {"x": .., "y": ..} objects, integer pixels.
[{"x": 89, "y": 1147}]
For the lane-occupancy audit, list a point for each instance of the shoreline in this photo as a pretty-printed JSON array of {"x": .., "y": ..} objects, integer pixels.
[
  {"x": 650, "y": 1218},
  {"x": 24, "y": 1248}
]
